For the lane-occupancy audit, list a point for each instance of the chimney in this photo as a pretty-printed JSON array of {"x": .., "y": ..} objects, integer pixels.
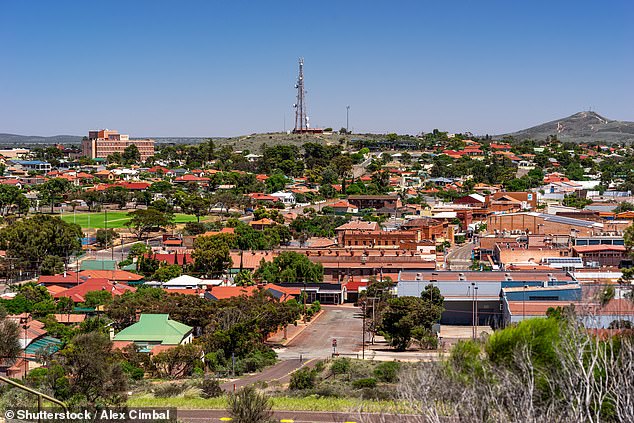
[{"x": 111, "y": 333}]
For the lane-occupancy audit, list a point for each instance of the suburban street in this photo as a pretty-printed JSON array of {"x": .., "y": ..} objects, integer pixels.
[
  {"x": 342, "y": 323},
  {"x": 460, "y": 258}
]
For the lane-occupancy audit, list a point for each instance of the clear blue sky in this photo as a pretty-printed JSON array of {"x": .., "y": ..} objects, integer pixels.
[{"x": 222, "y": 68}]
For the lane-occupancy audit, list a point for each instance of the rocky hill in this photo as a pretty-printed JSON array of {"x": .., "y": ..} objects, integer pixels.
[{"x": 580, "y": 127}]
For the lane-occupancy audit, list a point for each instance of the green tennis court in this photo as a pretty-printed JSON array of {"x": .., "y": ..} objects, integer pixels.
[{"x": 116, "y": 219}]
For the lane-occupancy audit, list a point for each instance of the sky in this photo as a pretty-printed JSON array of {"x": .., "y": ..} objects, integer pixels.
[{"x": 227, "y": 68}]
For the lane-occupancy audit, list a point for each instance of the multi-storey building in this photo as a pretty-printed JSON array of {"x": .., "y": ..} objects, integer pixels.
[{"x": 101, "y": 144}]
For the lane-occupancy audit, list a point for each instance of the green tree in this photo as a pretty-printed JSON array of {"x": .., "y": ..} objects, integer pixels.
[
  {"x": 94, "y": 372},
  {"x": 244, "y": 278},
  {"x": 143, "y": 221},
  {"x": 195, "y": 205},
  {"x": 404, "y": 315},
  {"x": 53, "y": 190},
  {"x": 290, "y": 266},
  {"x": 105, "y": 237},
  {"x": 97, "y": 298},
  {"x": 166, "y": 273},
  {"x": 9, "y": 336},
  {"x": 29, "y": 241},
  {"x": 276, "y": 182},
  {"x": 211, "y": 255},
  {"x": 131, "y": 155},
  {"x": 52, "y": 265},
  {"x": 12, "y": 199}
]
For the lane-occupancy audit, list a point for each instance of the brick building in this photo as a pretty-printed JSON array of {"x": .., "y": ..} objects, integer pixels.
[
  {"x": 507, "y": 201},
  {"x": 601, "y": 255},
  {"x": 375, "y": 201},
  {"x": 429, "y": 228},
  {"x": 539, "y": 223},
  {"x": 100, "y": 144},
  {"x": 407, "y": 240}
]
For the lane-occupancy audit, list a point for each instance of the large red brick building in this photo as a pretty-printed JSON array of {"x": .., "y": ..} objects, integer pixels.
[{"x": 100, "y": 144}]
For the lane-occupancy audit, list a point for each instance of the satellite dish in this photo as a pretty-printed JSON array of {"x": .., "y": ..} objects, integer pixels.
[
  {"x": 296, "y": 86},
  {"x": 295, "y": 106}
]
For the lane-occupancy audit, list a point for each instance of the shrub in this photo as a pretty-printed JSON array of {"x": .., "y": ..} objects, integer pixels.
[
  {"x": 368, "y": 382},
  {"x": 250, "y": 406},
  {"x": 135, "y": 373},
  {"x": 303, "y": 378},
  {"x": 255, "y": 361},
  {"x": 387, "y": 371},
  {"x": 210, "y": 388},
  {"x": 340, "y": 366},
  {"x": 169, "y": 390},
  {"x": 319, "y": 366}
]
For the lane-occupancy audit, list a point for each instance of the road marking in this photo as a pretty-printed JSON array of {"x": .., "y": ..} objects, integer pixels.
[
  {"x": 225, "y": 419},
  {"x": 287, "y": 421}
]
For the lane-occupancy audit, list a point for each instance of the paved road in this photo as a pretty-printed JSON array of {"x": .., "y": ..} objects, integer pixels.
[
  {"x": 120, "y": 252},
  {"x": 199, "y": 416},
  {"x": 460, "y": 258},
  {"x": 280, "y": 373},
  {"x": 336, "y": 322}
]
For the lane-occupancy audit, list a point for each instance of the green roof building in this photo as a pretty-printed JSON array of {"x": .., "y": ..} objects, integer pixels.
[
  {"x": 155, "y": 329},
  {"x": 98, "y": 265}
]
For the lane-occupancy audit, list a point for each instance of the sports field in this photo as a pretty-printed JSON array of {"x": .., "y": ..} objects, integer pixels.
[{"x": 116, "y": 219}]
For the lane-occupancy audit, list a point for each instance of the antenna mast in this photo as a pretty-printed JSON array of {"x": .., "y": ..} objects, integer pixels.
[{"x": 301, "y": 120}]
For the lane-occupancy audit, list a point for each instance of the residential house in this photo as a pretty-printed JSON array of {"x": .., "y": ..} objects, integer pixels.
[{"x": 153, "y": 333}]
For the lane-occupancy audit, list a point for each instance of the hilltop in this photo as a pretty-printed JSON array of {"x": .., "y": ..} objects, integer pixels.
[{"x": 580, "y": 127}]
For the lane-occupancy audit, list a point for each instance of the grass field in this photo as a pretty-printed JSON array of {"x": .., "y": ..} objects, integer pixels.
[
  {"x": 310, "y": 403},
  {"x": 116, "y": 219}
]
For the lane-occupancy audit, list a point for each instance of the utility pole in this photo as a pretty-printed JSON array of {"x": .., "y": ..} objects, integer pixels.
[
  {"x": 524, "y": 303},
  {"x": 105, "y": 212},
  {"x": 477, "y": 322},
  {"x": 347, "y": 118},
  {"x": 473, "y": 310},
  {"x": 363, "y": 334}
]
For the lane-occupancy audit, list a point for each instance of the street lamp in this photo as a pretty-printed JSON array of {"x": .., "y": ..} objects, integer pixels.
[
  {"x": 24, "y": 321},
  {"x": 305, "y": 295},
  {"x": 347, "y": 118}
]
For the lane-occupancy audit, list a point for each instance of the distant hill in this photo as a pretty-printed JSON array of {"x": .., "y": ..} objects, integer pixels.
[
  {"x": 580, "y": 127},
  {"x": 252, "y": 142},
  {"x": 13, "y": 139}
]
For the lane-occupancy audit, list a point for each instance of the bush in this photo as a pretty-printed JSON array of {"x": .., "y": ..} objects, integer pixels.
[
  {"x": 135, "y": 373},
  {"x": 255, "y": 361},
  {"x": 303, "y": 378},
  {"x": 250, "y": 406},
  {"x": 387, "y": 371},
  {"x": 169, "y": 390},
  {"x": 340, "y": 366},
  {"x": 368, "y": 382},
  {"x": 210, "y": 388}
]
